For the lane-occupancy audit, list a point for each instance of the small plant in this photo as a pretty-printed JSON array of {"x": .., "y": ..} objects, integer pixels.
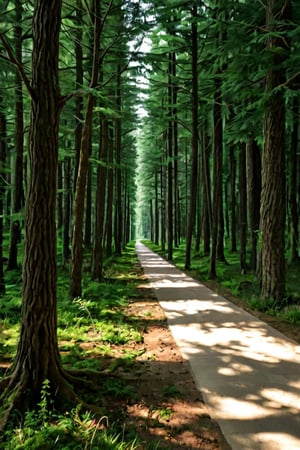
[
  {"x": 45, "y": 404},
  {"x": 165, "y": 413},
  {"x": 263, "y": 305},
  {"x": 172, "y": 391},
  {"x": 83, "y": 305},
  {"x": 118, "y": 388},
  {"x": 292, "y": 314}
]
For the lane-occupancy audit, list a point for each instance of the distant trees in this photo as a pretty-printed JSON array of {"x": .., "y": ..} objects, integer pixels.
[{"x": 245, "y": 75}]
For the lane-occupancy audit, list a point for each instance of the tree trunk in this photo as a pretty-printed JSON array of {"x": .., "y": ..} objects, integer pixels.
[
  {"x": 18, "y": 191},
  {"x": 294, "y": 182},
  {"x": 243, "y": 207},
  {"x": 59, "y": 195},
  {"x": 253, "y": 195},
  {"x": 194, "y": 174},
  {"x": 66, "y": 210},
  {"x": 110, "y": 190},
  {"x": 273, "y": 202},
  {"x": 77, "y": 241},
  {"x": 3, "y": 138},
  {"x": 118, "y": 171},
  {"x": 37, "y": 356},
  {"x": 156, "y": 211},
  {"x": 79, "y": 83},
  {"x": 232, "y": 165},
  {"x": 217, "y": 177},
  {"x": 170, "y": 151},
  {"x": 163, "y": 206},
  {"x": 206, "y": 196},
  {"x": 98, "y": 254}
]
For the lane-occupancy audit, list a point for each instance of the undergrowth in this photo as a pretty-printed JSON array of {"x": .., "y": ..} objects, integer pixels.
[{"x": 91, "y": 330}]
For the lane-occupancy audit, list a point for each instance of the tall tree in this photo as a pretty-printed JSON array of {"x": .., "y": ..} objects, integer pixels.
[
  {"x": 194, "y": 169},
  {"x": 3, "y": 138},
  {"x": 273, "y": 201},
  {"x": 37, "y": 355},
  {"x": 77, "y": 239},
  {"x": 18, "y": 193}
]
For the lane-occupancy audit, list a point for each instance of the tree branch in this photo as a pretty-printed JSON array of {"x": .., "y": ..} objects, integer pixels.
[{"x": 13, "y": 60}]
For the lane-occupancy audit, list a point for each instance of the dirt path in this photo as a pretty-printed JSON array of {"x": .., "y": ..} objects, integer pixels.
[{"x": 169, "y": 407}]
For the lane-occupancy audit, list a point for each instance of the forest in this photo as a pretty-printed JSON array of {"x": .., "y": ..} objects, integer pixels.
[{"x": 175, "y": 122}]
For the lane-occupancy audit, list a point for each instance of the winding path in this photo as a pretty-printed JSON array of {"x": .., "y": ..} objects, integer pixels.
[{"x": 248, "y": 372}]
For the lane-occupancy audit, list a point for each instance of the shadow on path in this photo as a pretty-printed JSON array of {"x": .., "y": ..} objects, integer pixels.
[{"x": 248, "y": 372}]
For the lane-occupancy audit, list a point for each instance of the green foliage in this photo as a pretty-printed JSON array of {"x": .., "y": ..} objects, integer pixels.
[
  {"x": 90, "y": 331},
  {"x": 172, "y": 391},
  {"x": 73, "y": 430}
]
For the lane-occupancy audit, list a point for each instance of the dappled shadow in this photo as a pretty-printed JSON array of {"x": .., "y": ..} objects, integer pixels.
[{"x": 248, "y": 372}]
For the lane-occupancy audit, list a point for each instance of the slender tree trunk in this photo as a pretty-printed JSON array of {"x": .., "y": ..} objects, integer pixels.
[
  {"x": 217, "y": 177},
  {"x": 206, "y": 196},
  {"x": 170, "y": 151},
  {"x": 232, "y": 165},
  {"x": 194, "y": 173},
  {"x": 3, "y": 138},
  {"x": 110, "y": 191},
  {"x": 253, "y": 194},
  {"x": 156, "y": 212},
  {"x": 294, "y": 182},
  {"x": 243, "y": 208},
  {"x": 98, "y": 253},
  {"x": 77, "y": 241},
  {"x": 79, "y": 83},
  {"x": 18, "y": 191},
  {"x": 273, "y": 202},
  {"x": 67, "y": 210},
  {"x": 118, "y": 172},
  {"x": 59, "y": 195},
  {"x": 88, "y": 208},
  {"x": 163, "y": 207}
]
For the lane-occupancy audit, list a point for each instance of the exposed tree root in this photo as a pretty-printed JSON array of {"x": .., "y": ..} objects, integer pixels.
[{"x": 19, "y": 395}]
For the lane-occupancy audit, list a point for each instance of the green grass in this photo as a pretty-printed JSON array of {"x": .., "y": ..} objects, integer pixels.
[{"x": 92, "y": 332}]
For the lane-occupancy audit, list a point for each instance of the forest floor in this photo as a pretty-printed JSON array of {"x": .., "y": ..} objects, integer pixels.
[
  {"x": 153, "y": 395},
  {"x": 167, "y": 408}
]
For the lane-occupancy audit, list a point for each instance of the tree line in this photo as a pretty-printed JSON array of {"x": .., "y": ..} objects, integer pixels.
[{"x": 219, "y": 143}]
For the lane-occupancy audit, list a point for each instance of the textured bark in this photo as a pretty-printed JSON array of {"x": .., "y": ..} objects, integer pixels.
[
  {"x": 273, "y": 202},
  {"x": 37, "y": 356}
]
